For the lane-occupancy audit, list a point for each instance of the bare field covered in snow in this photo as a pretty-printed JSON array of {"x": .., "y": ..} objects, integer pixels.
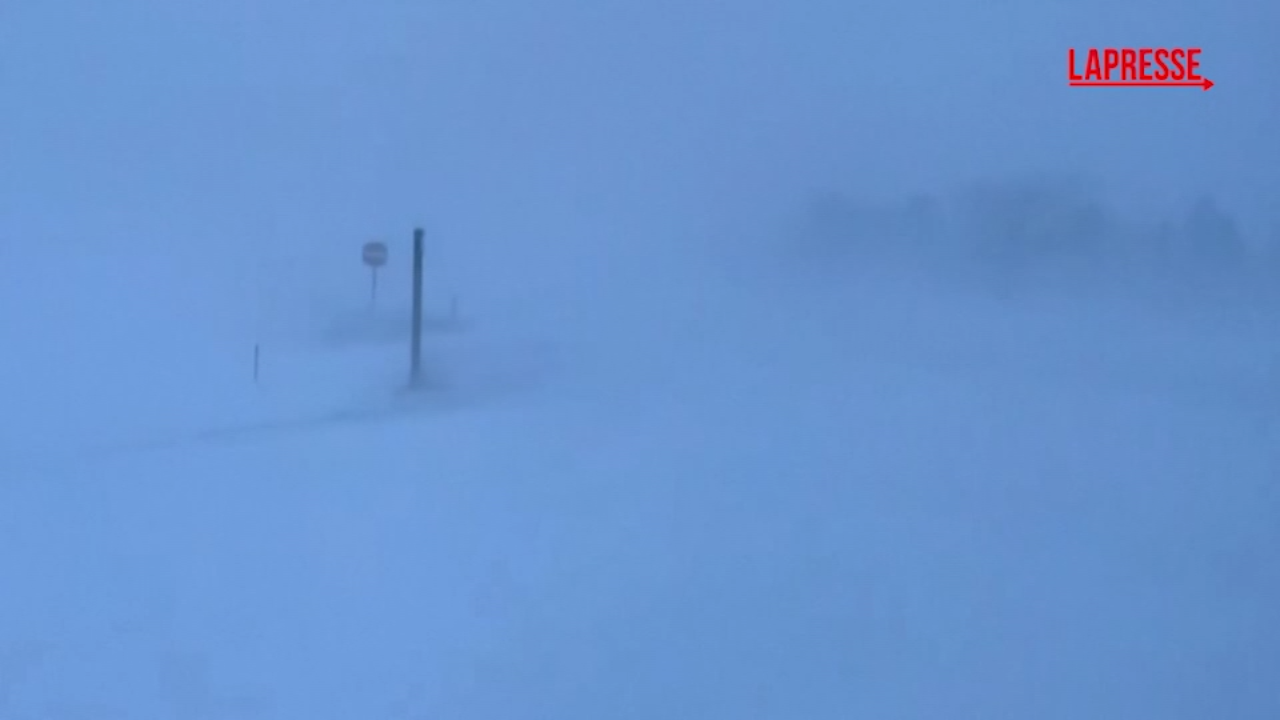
[{"x": 692, "y": 494}]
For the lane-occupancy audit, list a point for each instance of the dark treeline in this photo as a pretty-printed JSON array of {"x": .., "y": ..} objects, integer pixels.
[{"x": 1044, "y": 232}]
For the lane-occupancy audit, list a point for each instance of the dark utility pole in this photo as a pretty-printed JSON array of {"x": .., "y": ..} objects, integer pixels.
[{"x": 415, "y": 349}]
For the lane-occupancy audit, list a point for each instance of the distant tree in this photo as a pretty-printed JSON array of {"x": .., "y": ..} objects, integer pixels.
[
  {"x": 1211, "y": 238},
  {"x": 1036, "y": 222},
  {"x": 1022, "y": 231}
]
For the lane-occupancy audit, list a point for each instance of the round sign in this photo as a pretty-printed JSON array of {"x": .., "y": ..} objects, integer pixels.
[{"x": 375, "y": 254}]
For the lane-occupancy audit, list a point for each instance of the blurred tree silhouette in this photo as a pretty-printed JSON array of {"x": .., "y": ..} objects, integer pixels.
[
  {"x": 1029, "y": 229},
  {"x": 1212, "y": 239}
]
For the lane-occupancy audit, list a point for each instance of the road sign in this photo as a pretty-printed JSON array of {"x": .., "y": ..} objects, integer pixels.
[{"x": 375, "y": 254}]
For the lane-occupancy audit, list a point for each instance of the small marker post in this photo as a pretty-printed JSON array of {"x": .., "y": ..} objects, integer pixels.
[{"x": 415, "y": 347}]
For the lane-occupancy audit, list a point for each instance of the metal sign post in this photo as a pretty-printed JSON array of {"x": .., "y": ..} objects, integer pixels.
[{"x": 375, "y": 256}]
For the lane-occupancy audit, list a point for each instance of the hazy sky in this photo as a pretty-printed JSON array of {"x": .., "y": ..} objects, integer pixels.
[{"x": 243, "y": 122}]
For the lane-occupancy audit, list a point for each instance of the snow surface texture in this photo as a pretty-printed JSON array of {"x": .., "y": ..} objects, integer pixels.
[
  {"x": 668, "y": 469},
  {"x": 737, "y": 498}
]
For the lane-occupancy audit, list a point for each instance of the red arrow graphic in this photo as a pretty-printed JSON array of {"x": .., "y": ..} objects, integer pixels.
[{"x": 1205, "y": 83}]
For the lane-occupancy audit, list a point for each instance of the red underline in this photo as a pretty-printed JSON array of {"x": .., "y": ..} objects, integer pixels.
[{"x": 1136, "y": 83}]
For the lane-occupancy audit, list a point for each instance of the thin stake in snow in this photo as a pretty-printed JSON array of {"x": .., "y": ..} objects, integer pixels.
[{"x": 415, "y": 347}]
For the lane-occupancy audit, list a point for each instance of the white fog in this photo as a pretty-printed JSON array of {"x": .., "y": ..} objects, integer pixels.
[{"x": 790, "y": 360}]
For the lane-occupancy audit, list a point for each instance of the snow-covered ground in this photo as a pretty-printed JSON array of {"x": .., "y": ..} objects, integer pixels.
[{"x": 669, "y": 492}]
